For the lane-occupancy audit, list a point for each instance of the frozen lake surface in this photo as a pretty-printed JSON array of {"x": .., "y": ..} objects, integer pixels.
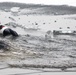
[{"x": 32, "y": 52}]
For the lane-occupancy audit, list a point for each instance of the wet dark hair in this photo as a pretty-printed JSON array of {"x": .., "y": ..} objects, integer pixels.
[{"x": 1, "y": 26}]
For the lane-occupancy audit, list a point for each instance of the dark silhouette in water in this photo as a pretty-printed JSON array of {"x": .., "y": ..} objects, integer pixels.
[{"x": 5, "y": 31}]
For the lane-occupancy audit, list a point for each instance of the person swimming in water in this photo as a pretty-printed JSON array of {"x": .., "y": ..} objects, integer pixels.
[{"x": 5, "y": 31}]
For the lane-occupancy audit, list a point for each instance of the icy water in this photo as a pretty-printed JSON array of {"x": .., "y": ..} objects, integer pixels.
[{"x": 30, "y": 51}]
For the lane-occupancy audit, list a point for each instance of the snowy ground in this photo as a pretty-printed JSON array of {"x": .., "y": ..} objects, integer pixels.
[{"x": 32, "y": 53}]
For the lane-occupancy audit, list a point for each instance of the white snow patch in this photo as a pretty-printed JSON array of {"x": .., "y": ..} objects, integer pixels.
[{"x": 15, "y": 9}]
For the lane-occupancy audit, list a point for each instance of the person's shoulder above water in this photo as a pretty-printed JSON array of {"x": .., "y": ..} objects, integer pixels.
[{"x": 5, "y": 31}]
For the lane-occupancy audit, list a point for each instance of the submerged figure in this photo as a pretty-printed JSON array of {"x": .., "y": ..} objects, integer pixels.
[{"x": 5, "y": 31}]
